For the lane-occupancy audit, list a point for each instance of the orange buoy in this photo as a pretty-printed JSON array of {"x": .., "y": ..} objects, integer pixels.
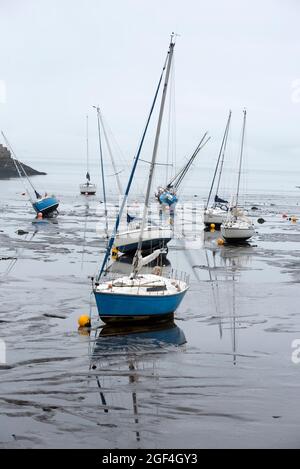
[
  {"x": 220, "y": 242},
  {"x": 39, "y": 215}
]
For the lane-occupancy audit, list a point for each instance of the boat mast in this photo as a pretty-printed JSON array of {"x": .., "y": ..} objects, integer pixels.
[
  {"x": 241, "y": 157},
  {"x": 180, "y": 176},
  {"x": 154, "y": 154},
  {"x": 111, "y": 155},
  {"x": 87, "y": 149},
  {"x": 223, "y": 153},
  {"x": 218, "y": 161},
  {"x": 102, "y": 168},
  {"x": 135, "y": 162},
  {"x": 17, "y": 163}
]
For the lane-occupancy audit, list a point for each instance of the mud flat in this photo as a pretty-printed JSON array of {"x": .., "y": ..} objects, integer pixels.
[{"x": 222, "y": 377}]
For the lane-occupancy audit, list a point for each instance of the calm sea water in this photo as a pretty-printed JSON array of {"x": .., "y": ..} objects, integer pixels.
[{"x": 221, "y": 375}]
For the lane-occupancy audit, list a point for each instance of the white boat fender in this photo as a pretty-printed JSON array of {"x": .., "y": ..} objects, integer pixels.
[
  {"x": 176, "y": 286},
  {"x": 157, "y": 270}
]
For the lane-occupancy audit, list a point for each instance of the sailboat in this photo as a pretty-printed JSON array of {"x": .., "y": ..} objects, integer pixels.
[
  {"x": 237, "y": 227},
  {"x": 45, "y": 204},
  {"x": 218, "y": 211},
  {"x": 87, "y": 188},
  {"x": 168, "y": 195},
  {"x": 154, "y": 236},
  {"x": 141, "y": 296}
]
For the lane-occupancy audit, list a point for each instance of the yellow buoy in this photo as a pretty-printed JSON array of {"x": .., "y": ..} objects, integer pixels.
[
  {"x": 220, "y": 242},
  {"x": 84, "y": 321},
  {"x": 114, "y": 253}
]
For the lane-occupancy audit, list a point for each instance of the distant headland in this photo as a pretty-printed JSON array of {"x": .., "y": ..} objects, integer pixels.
[{"x": 7, "y": 166}]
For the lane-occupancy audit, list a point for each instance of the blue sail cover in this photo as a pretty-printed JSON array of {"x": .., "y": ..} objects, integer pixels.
[{"x": 167, "y": 198}]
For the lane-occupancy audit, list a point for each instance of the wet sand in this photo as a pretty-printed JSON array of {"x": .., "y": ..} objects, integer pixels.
[{"x": 221, "y": 377}]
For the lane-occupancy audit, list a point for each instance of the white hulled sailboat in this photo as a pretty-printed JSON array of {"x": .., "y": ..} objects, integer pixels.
[
  {"x": 87, "y": 188},
  {"x": 238, "y": 227},
  {"x": 217, "y": 213}
]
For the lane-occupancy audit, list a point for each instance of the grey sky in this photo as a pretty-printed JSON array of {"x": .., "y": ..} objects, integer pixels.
[{"x": 60, "y": 57}]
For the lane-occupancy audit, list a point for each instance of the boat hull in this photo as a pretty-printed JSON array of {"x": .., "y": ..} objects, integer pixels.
[
  {"x": 214, "y": 217},
  {"x": 237, "y": 235},
  {"x": 147, "y": 245},
  {"x": 46, "y": 205},
  {"x": 87, "y": 189},
  {"x": 152, "y": 239},
  {"x": 124, "y": 307}
]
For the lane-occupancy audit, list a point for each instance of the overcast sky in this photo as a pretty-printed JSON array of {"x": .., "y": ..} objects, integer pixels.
[{"x": 58, "y": 57}]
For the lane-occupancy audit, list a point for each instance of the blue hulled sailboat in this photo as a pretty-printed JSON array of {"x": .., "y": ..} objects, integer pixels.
[
  {"x": 141, "y": 296},
  {"x": 47, "y": 205}
]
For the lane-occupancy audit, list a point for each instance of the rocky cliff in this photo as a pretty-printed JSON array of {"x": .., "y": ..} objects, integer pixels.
[{"x": 7, "y": 167}]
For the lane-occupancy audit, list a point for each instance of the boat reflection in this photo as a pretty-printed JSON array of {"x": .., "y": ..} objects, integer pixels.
[
  {"x": 123, "y": 359},
  {"x": 9, "y": 262},
  {"x": 223, "y": 268},
  {"x": 137, "y": 338}
]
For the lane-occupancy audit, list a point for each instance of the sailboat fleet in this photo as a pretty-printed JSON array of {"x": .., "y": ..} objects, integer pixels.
[{"x": 139, "y": 295}]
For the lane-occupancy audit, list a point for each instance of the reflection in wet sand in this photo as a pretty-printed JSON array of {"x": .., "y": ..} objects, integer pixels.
[
  {"x": 153, "y": 392},
  {"x": 133, "y": 351}
]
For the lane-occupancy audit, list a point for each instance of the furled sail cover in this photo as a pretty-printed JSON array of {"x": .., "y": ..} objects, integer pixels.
[
  {"x": 220, "y": 201},
  {"x": 142, "y": 261}
]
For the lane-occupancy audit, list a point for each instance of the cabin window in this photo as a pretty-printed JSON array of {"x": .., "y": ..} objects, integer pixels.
[{"x": 157, "y": 288}]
